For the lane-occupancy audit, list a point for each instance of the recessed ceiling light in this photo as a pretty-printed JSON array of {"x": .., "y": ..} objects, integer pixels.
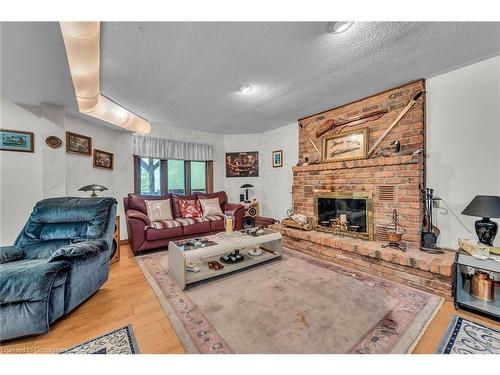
[
  {"x": 245, "y": 89},
  {"x": 338, "y": 27}
]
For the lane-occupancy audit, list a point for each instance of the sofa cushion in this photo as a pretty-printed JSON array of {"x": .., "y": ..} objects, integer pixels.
[
  {"x": 197, "y": 228},
  {"x": 10, "y": 254},
  {"x": 137, "y": 201},
  {"x": 219, "y": 194},
  {"x": 158, "y": 210},
  {"x": 84, "y": 249},
  {"x": 66, "y": 218},
  {"x": 164, "y": 224},
  {"x": 176, "y": 209},
  {"x": 191, "y": 220},
  {"x": 216, "y": 222},
  {"x": 210, "y": 206},
  {"x": 190, "y": 208},
  {"x": 160, "y": 234}
]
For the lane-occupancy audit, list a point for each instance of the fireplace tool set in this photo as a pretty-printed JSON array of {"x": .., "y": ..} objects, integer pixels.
[{"x": 395, "y": 232}]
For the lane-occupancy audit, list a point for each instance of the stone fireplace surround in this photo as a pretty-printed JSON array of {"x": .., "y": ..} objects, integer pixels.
[{"x": 394, "y": 181}]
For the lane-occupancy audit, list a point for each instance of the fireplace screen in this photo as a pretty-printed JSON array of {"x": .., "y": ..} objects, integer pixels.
[{"x": 347, "y": 214}]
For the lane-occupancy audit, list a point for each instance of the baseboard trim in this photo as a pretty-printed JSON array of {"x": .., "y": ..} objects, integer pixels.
[{"x": 124, "y": 242}]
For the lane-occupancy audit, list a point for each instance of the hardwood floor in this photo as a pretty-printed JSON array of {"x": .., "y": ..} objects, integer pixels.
[{"x": 127, "y": 298}]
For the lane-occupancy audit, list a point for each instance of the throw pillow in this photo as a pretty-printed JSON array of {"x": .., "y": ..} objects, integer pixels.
[
  {"x": 190, "y": 208},
  {"x": 159, "y": 210},
  {"x": 211, "y": 207}
]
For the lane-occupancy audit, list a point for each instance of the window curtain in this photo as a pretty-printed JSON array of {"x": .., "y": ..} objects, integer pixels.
[{"x": 161, "y": 148}]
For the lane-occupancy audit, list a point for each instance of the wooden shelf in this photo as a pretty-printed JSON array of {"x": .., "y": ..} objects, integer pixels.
[
  {"x": 363, "y": 163},
  {"x": 206, "y": 273}
]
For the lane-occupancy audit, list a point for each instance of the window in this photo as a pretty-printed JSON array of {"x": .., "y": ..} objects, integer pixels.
[
  {"x": 149, "y": 171},
  {"x": 156, "y": 176},
  {"x": 176, "y": 180},
  {"x": 198, "y": 177}
]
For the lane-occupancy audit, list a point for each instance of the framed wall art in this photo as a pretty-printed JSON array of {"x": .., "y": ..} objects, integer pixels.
[
  {"x": 346, "y": 146},
  {"x": 242, "y": 164},
  {"x": 17, "y": 140},
  {"x": 78, "y": 144},
  {"x": 277, "y": 158},
  {"x": 103, "y": 159}
]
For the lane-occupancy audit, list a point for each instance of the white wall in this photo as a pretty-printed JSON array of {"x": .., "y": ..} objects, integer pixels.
[
  {"x": 22, "y": 175},
  {"x": 463, "y": 142},
  {"x": 273, "y": 187},
  {"x": 29, "y": 177}
]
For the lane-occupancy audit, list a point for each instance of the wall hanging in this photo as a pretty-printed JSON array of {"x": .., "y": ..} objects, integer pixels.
[
  {"x": 17, "y": 140},
  {"x": 78, "y": 144},
  {"x": 242, "y": 164},
  {"x": 103, "y": 159}
]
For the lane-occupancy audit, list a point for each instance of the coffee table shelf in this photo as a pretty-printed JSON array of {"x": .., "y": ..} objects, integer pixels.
[{"x": 178, "y": 257}]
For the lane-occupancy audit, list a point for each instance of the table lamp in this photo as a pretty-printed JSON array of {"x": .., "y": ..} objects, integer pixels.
[
  {"x": 93, "y": 188},
  {"x": 485, "y": 206},
  {"x": 246, "y": 187}
]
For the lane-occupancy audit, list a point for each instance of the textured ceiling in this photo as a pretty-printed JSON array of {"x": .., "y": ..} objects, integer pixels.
[{"x": 188, "y": 74}]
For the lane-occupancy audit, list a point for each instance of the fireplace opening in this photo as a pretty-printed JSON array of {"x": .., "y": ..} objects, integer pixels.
[{"x": 348, "y": 214}]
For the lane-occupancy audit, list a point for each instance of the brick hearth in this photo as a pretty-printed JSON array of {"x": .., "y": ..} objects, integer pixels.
[{"x": 429, "y": 272}]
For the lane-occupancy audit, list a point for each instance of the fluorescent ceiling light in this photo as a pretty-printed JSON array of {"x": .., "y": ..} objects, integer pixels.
[
  {"x": 245, "y": 89},
  {"x": 82, "y": 41},
  {"x": 338, "y": 27}
]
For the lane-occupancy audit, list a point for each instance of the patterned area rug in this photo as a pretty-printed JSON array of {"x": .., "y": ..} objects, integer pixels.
[
  {"x": 297, "y": 304},
  {"x": 119, "y": 341},
  {"x": 466, "y": 337}
]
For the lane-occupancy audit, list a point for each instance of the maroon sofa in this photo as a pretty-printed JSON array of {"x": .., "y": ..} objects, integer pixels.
[{"x": 143, "y": 236}]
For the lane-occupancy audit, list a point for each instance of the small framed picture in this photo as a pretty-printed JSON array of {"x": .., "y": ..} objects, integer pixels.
[
  {"x": 17, "y": 140},
  {"x": 277, "y": 158},
  {"x": 78, "y": 144},
  {"x": 103, "y": 159},
  {"x": 346, "y": 146}
]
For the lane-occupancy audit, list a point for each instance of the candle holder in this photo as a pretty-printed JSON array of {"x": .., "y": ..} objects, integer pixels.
[{"x": 229, "y": 222}]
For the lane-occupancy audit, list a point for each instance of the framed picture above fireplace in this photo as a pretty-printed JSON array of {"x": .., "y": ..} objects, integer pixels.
[{"x": 346, "y": 146}]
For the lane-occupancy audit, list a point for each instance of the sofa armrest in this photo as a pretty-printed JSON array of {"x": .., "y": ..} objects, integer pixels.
[
  {"x": 232, "y": 207},
  {"x": 239, "y": 212},
  {"x": 84, "y": 249},
  {"x": 10, "y": 254},
  {"x": 138, "y": 215}
]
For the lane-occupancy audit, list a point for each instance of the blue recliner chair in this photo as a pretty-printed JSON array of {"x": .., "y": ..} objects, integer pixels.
[{"x": 60, "y": 259}]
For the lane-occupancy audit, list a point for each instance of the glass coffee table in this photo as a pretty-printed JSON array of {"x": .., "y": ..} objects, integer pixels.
[{"x": 183, "y": 257}]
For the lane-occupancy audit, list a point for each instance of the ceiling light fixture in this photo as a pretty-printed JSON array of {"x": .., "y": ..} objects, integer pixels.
[
  {"x": 338, "y": 27},
  {"x": 82, "y": 41},
  {"x": 245, "y": 89}
]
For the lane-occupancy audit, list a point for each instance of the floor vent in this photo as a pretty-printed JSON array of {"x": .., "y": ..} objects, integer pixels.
[{"x": 386, "y": 193}]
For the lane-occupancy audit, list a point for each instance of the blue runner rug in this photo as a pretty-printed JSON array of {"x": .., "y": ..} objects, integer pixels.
[
  {"x": 466, "y": 337},
  {"x": 119, "y": 341}
]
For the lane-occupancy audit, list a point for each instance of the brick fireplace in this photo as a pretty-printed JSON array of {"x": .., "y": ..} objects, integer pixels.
[{"x": 386, "y": 181}]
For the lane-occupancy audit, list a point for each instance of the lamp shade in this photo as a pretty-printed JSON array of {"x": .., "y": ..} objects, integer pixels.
[
  {"x": 487, "y": 206},
  {"x": 93, "y": 187},
  {"x": 246, "y": 186}
]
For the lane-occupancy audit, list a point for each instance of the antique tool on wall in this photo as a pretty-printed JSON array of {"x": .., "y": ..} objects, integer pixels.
[
  {"x": 356, "y": 120},
  {"x": 430, "y": 232},
  {"x": 405, "y": 110},
  {"x": 395, "y": 233}
]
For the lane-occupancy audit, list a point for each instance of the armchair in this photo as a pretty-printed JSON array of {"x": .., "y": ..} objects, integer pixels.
[{"x": 60, "y": 258}]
